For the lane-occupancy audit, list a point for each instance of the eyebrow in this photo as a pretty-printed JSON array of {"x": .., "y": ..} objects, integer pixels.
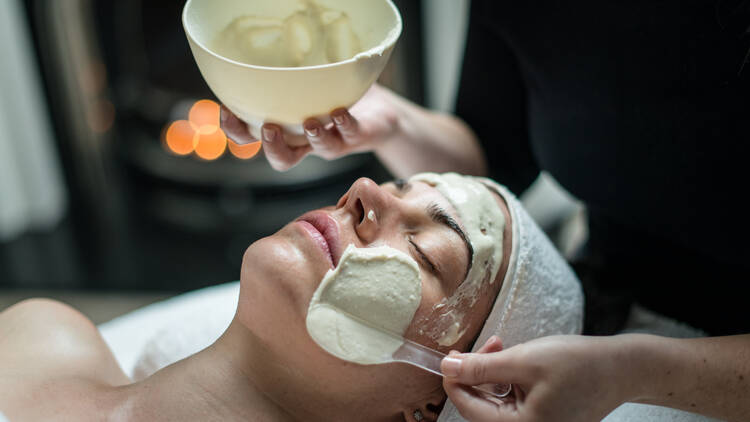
[{"x": 440, "y": 216}]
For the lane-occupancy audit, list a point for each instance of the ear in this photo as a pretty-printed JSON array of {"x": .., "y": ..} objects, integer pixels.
[{"x": 429, "y": 408}]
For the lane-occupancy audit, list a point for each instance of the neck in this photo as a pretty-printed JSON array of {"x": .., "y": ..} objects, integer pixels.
[{"x": 214, "y": 384}]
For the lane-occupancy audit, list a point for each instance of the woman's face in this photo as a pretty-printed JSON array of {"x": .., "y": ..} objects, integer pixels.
[{"x": 281, "y": 272}]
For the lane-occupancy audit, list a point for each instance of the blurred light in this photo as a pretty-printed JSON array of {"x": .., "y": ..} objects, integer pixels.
[
  {"x": 246, "y": 151},
  {"x": 181, "y": 137},
  {"x": 205, "y": 112},
  {"x": 202, "y": 134},
  {"x": 211, "y": 145},
  {"x": 205, "y": 129}
]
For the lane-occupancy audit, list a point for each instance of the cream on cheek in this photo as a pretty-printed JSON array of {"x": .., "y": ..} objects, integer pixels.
[
  {"x": 370, "y": 291},
  {"x": 483, "y": 223}
]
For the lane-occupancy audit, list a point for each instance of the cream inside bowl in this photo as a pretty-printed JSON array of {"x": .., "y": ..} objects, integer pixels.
[{"x": 284, "y": 61}]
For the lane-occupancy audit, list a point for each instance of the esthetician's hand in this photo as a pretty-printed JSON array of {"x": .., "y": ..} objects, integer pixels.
[
  {"x": 369, "y": 122},
  {"x": 560, "y": 378}
]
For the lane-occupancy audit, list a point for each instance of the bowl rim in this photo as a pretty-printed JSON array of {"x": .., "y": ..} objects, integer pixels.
[{"x": 378, "y": 50}]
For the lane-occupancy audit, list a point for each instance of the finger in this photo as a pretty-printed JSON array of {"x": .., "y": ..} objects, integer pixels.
[
  {"x": 294, "y": 140},
  {"x": 324, "y": 142},
  {"x": 235, "y": 128},
  {"x": 482, "y": 368},
  {"x": 493, "y": 344},
  {"x": 346, "y": 125},
  {"x": 474, "y": 407},
  {"x": 281, "y": 156}
]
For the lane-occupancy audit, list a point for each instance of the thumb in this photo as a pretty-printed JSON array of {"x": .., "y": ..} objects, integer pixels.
[
  {"x": 480, "y": 368},
  {"x": 234, "y": 128}
]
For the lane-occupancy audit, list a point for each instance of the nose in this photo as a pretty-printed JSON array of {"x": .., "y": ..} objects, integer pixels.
[{"x": 367, "y": 203}]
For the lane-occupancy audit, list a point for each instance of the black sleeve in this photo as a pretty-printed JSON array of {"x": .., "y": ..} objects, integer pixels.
[{"x": 492, "y": 101}]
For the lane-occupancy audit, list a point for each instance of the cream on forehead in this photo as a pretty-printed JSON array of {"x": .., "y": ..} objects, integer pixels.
[
  {"x": 378, "y": 287},
  {"x": 481, "y": 218},
  {"x": 483, "y": 222}
]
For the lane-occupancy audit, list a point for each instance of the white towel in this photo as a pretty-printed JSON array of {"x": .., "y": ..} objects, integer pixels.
[
  {"x": 150, "y": 338},
  {"x": 540, "y": 295}
]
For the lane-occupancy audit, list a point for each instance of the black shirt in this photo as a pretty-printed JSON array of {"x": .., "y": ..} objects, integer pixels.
[{"x": 641, "y": 109}]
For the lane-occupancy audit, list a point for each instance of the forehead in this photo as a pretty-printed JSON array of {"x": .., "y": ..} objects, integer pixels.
[{"x": 422, "y": 192}]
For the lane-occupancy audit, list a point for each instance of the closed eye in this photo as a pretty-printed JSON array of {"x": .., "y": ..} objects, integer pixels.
[{"x": 425, "y": 260}]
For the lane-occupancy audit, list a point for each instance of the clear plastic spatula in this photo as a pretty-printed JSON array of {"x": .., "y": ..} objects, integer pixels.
[
  {"x": 428, "y": 359},
  {"x": 407, "y": 351}
]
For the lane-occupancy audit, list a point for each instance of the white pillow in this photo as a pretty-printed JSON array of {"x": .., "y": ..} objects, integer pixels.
[{"x": 148, "y": 339}]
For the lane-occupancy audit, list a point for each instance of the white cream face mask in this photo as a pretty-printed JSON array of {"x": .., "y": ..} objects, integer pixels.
[
  {"x": 379, "y": 289},
  {"x": 370, "y": 291},
  {"x": 483, "y": 222},
  {"x": 312, "y": 35}
]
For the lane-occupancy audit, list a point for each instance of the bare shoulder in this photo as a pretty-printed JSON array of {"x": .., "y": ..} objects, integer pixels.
[
  {"x": 44, "y": 342},
  {"x": 54, "y": 337}
]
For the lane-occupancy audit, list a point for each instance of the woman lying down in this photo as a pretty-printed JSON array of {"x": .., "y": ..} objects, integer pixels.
[{"x": 443, "y": 260}]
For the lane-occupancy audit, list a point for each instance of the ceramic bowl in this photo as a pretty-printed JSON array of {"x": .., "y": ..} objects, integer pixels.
[{"x": 289, "y": 95}]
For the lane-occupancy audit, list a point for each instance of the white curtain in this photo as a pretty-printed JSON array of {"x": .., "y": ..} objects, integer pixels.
[{"x": 32, "y": 191}]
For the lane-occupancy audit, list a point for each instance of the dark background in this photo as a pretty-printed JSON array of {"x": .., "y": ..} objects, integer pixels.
[{"x": 139, "y": 217}]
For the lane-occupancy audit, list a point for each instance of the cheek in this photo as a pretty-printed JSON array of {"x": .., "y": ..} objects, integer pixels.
[
  {"x": 432, "y": 295},
  {"x": 476, "y": 316},
  {"x": 432, "y": 318},
  {"x": 276, "y": 287}
]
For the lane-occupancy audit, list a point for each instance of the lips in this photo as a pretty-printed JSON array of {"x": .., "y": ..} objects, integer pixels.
[{"x": 324, "y": 230}]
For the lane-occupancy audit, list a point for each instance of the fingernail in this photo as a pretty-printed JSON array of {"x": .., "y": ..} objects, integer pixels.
[
  {"x": 451, "y": 366},
  {"x": 338, "y": 119},
  {"x": 269, "y": 134},
  {"x": 312, "y": 131}
]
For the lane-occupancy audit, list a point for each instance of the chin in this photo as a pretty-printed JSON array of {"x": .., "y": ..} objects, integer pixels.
[{"x": 277, "y": 271}]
